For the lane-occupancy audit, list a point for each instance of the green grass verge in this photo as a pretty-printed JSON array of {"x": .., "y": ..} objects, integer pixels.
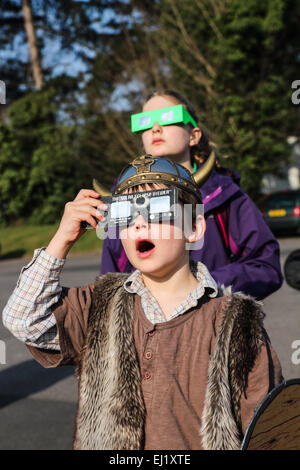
[{"x": 21, "y": 241}]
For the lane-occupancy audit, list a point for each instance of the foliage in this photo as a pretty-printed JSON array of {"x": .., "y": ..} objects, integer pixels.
[
  {"x": 66, "y": 30},
  {"x": 235, "y": 61},
  {"x": 39, "y": 163},
  {"x": 237, "y": 65}
]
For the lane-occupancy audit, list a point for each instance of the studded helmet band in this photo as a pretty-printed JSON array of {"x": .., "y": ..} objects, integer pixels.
[{"x": 148, "y": 169}]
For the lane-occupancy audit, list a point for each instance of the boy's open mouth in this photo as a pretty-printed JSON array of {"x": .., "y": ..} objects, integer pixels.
[{"x": 144, "y": 247}]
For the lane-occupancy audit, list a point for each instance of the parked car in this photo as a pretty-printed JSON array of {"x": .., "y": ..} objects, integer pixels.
[{"x": 281, "y": 211}]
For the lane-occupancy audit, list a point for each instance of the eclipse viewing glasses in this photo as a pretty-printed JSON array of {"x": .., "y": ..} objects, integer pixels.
[
  {"x": 154, "y": 206},
  {"x": 164, "y": 116},
  {"x": 161, "y": 205}
]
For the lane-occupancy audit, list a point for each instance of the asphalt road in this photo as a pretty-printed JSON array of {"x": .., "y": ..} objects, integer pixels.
[{"x": 37, "y": 406}]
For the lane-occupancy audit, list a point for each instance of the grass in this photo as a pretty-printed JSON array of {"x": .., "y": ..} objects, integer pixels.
[{"x": 21, "y": 241}]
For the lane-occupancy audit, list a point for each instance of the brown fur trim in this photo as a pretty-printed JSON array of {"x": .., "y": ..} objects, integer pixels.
[
  {"x": 246, "y": 340},
  {"x": 219, "y": 430},
  {"x": 237, "y": 345},
  {"x": 111, "y": 408}
]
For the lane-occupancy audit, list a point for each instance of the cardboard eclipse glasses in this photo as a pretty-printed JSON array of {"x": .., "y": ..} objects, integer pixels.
[
  {"x": 154, "y": 206},
  {"x": 164, "y": 116}
]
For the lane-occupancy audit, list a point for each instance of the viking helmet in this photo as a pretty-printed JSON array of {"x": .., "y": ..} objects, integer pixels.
[{"x": 148, "y": 169}]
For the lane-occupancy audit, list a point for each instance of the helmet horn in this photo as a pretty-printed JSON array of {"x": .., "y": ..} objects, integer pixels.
[
  {"x": 100, "y": 189},
  {"x": 203, "y": 173}
]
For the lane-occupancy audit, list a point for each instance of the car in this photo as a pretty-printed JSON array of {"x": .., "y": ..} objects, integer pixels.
[{"x": 281, "y": 211}]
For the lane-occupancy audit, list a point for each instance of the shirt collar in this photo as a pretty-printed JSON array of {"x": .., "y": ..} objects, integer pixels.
[{"x": 134, "y": 283}]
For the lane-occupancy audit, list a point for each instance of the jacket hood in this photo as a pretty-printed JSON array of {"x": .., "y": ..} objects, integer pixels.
[{"x": 218, "y": 189}]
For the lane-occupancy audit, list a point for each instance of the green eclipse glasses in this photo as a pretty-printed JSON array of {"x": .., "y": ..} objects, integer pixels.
[{"x": 164, "y": 116}]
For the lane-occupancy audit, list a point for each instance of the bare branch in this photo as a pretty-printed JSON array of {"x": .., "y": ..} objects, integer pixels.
[
  {"x": 198, "y": 78},
  {"x": 190, "y": 43},
  {"x": 209, "y": 20},
  {"x": 218, "y": 6},
  {"x": 111, "y": 125}
]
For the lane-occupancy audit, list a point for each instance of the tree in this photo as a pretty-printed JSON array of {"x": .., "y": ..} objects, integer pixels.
[
  {"x": 236, "y": 61},
  {"x": 12, "y": 65},
  {"x": 55, "y": 32},
  {"x": 33, "y": 47},
  {"x": 121, "y": 76},
  {"x": 40, "y": 168}
]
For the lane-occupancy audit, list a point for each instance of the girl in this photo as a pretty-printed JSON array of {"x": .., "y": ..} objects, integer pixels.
[{"x": 239, "y": 249}]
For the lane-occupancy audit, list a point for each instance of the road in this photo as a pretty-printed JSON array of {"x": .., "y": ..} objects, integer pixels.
[{"x": 37, "y": 406}]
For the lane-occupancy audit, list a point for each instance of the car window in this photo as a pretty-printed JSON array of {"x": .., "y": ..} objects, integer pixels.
[{"x": 283, "y": 200}]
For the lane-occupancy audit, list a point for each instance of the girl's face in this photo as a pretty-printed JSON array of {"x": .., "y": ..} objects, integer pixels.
[{"x": 173, "y": 141}]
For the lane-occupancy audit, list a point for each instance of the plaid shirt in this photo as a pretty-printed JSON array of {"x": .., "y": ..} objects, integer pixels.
[
  {"x": 28, "y": 313},
  {"x": 135, "y": 285}
]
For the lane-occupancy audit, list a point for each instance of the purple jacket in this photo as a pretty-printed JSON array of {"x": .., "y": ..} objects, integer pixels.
[{"x": 255, "y": 269}]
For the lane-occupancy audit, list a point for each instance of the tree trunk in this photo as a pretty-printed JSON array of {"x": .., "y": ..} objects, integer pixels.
[{"x": 32, "y": 41}]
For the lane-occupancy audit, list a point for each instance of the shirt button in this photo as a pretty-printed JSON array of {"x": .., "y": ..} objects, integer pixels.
[
  {"x": 148, "y": 355},
  {"x": 147, "y": 375}
]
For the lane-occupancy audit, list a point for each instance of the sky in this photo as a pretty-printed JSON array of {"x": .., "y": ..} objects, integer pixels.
[{"x": 54, "y": 60}]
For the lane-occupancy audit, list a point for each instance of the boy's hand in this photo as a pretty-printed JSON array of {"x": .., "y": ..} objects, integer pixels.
[{"x": 83, "y": 208}]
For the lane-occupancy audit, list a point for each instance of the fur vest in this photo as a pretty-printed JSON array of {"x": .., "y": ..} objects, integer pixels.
[{"x": 111, "y": 410}]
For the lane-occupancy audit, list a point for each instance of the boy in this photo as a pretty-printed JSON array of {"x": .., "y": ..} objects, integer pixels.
[{"x": 164, "y": 361}]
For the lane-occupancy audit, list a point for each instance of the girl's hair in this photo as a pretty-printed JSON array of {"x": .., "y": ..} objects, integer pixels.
[{"x": 201, "y": 151}]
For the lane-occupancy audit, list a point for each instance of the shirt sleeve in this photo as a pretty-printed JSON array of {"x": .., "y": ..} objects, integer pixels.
[
  {"x": 28, "y": 313},
  {"x": 71, "y": 314},
  {"x": 50, "y": 319}
]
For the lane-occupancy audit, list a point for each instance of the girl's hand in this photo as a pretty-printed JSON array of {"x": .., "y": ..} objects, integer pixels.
[{"x": 82, "y": 209}]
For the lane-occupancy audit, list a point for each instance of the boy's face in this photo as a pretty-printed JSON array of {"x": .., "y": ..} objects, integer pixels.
[
  {"x": 154, "y": 248},
  {"x": 158, "y": 249}
]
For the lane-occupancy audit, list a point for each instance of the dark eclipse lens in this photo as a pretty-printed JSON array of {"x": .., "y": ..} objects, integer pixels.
[{"x": 140, "y": 201}]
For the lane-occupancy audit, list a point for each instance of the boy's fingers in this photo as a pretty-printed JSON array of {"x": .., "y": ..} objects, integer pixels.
[
  {"x": 95, "y": 202},
  {"x": 84, "y": 217},
  {"x": 86, "y": 193},
  {"x": 83, "y": 210}
]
